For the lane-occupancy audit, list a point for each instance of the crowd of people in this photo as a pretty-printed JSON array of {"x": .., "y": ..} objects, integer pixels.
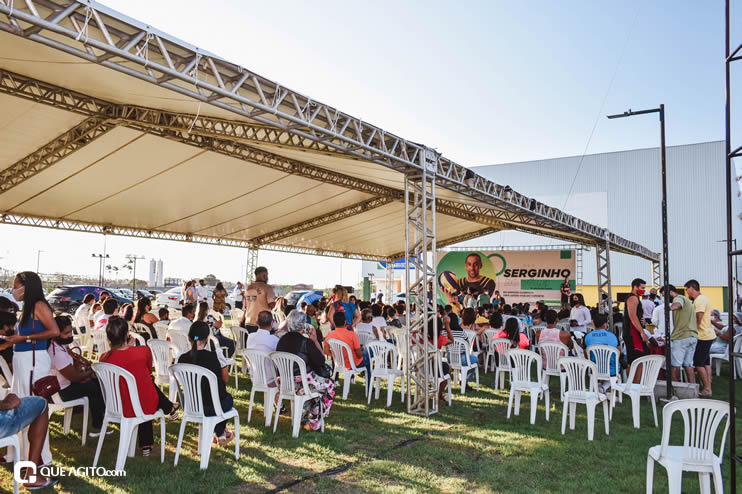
[{"x": 37, "y": 343}]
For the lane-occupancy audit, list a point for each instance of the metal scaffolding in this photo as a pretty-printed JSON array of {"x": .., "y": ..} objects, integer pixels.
[
  {"x": 389, "y": 281},
  {"x": 603, "y": 258},
  {"x": 251, "y": 265},
  {"x": 422, "y": 378},
  {"x": 656, "y": 275}
]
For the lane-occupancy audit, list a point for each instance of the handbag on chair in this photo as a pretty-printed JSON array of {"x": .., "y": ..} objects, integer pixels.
[{"x": 47, "y": 386}]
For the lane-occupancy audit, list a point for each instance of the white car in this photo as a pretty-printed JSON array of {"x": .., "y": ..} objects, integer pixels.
[{"x": 173, "y": 299}]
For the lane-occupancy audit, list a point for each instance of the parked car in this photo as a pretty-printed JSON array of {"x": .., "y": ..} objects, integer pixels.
[
  {"x": 400, "y": 297},
  {"x": 173, "y": 299},
  {"x": 67, "y": 298},
  {"x": 144, "y": 293}
]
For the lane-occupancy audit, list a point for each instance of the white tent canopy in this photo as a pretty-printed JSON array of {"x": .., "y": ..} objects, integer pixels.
[{"x": 109, "y": 125}]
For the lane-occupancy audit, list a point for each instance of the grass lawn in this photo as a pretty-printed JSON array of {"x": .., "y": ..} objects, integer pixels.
[{"x": 470, "y": 447}]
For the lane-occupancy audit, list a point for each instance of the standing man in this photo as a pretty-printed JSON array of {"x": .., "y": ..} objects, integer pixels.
[
  {"x": 633, "y": 327},
  {"x": 237, "y": 293},
  {"x": 566, "y": 292},
  {"x": 474, "y": 282},
  {"x": 202, "y": 292},
  {"x": 706, "y": 334},
  {"x": 647, "y": 307},
  {"x": 684, "y": 336},
  {"x": 259, "y": 296}
]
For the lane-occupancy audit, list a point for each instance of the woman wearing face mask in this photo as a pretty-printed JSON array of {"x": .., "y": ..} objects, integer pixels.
[
  {"x": 76, "y": 380},
  {"x": 35, "y": 327},
  {"x": 579, "y": 313}
]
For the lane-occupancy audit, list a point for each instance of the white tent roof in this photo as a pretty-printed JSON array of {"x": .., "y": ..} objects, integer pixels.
[{"x": 109, "y": 125}]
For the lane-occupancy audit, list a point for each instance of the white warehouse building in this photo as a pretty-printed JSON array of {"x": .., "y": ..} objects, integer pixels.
[{"x": 621, "y": 191}]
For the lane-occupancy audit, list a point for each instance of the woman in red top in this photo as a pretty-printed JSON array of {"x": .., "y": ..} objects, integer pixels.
[
  {"x": 138, "y": 361},
  {"x": 512, "y": 333}
]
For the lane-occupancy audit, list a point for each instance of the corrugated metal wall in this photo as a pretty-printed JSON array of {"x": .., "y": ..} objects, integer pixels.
[{"x": 621, "y": 191}]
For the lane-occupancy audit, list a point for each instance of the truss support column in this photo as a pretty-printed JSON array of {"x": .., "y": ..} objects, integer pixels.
[
  {"x": 656, "y": 278},
  {"x": 389, "y": 281},
  {"x": 251, "y": 264},
  {"x": 603, "y": 256},
  {"x": 579, "y": 266},
  {"x": 420, "y": 274}
]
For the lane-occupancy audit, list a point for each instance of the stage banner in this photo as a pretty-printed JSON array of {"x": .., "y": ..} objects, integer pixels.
[{"x": 519, "y": 275}]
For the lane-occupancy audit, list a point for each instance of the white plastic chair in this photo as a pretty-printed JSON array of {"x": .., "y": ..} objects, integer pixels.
[
  {"x": 582, "y": 387},
  {"x": 340, "y": 350},
  {"x": 138, "y": 338},
  {"x": 180, "y": 340},
  {"x": 603, "y": 355},
  {"x": 256, "y": 361},
  {"x": 521, "y": 362},
  {"x": 57, "y": 403},
  {"x": 11, "y": 442},
  {"x": 384, "y": 356},
  {"x": 231, "y": 362},
  {"x": 485, "y": 343},
  {"x": 551, "y": 352},
  {"x": 190, "y": 377},
  {"x": 701, "y": 420},
  {"x": 163, "y": 356},
  {"x": 651, "y": 365},
  {"x": 240, "y": 336},
  {"x": 436, "y": 367},
  {"x": 364, "y": 338},
  {"x": 100, "y": 340},
  {"x": 111, "y": 377},
  {"x": 460, "y": 365},
  {"x": 285, "y": 363},
  {"x": 470, "y": 336},
  {"x": 236, "y": 316},
  {"x": 161, "y": 329},
  {"x": 501, "y": 347},
  {"x": 85, "y": 343},
  {"x": 716, "y": 358},
  {"x": 7, "y": 376}
]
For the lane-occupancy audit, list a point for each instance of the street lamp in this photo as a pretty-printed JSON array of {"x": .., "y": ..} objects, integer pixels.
[
  {"x": 665, "y": 263},
  {"x": 38, "y": 258},
  {"x": 100, "y": 266},
  {"x": 133, "y": 260}
]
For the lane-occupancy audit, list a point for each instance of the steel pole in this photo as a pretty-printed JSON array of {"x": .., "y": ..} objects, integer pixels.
[
  {"x": 665, "y": 261},
  {"x": 730, "y": 258}
]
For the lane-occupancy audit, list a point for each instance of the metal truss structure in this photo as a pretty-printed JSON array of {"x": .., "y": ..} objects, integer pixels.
[
  {"x": 275, "y": 114},
  {"x": 268, "y": 115},
  {"x": 251, "y": 265},
  {"x": 389, "y": 282},
  {"x": 603, "y": 258},
  {"x": 420, "y": 244},
  {"x": 656, "y": 276}
]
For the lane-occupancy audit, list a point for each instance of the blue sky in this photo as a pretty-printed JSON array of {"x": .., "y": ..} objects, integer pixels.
[{"x": 483, "y": 82}]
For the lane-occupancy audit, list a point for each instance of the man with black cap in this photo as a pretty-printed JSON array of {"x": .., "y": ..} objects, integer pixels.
[{"x": 259, "y": 296}]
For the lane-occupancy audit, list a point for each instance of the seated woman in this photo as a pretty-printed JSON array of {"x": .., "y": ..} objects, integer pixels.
[
  {"x": 215, "y": 325},
  {"x": 143, "y": 316},
  {"x": 512, "y": 333},
  {"x": 8, "y": 321},
  {"x": 138, "y": 361},
  {"x": 199, "y": 355},
  {"x": 553, "y": 334},
  {"x": 75, "y": 379},
  {"x": 308, "y": 349}
]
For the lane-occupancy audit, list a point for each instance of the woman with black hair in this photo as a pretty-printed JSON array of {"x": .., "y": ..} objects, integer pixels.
[
  {"x": 219, "y": 296},
  {"x": 142, "y": 315},
  {"x": 215, "y": 326},
  {"x": 512, "y": 333},
  {"x": 199, "y": 355},
  {"x": 138, "y": 361},
  {"x": 36, "y": 326},
  {"x": 75, "y": 379}
]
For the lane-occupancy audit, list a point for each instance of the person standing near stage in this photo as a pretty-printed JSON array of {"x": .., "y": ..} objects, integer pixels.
[
  {"x": 706, "y": 334},
  {"x": 259, "y": 296},
  {"x": 633, "y": 329},
  {"x": 566, "y": 292},
  {"x": 474, "y": 282},
  {"x": 237, "y": 294}
]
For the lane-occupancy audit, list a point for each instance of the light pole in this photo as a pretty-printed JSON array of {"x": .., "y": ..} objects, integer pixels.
[
  {"x": 665, "y": 262},
  {"x": 38, "y": 259},
  {"x": 133, "y": 260},
  {"x": 100, "y": 266}
]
